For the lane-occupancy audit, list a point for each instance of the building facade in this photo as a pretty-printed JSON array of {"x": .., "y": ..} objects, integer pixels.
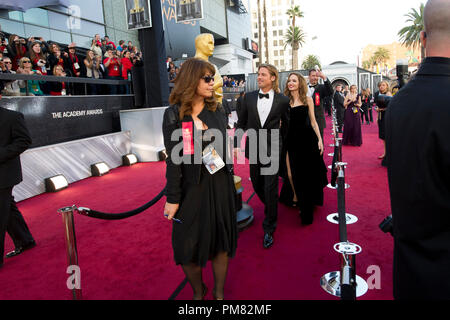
[
  {"x": 278, "y": 22},
  {"x": 78, "y": 23},
  {"x": 230, "y": 24}
]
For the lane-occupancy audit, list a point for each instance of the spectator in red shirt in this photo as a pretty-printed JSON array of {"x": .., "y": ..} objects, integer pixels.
[
  {"x": 113, "y": 64},
  {"x": 126, "y": 69},
  {"x": 110, "y": 43}
]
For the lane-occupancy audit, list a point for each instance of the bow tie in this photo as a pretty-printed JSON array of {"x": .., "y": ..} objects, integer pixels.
[
  {"x": 262, "y": 95},
  {"x": 312, "y": 86}
]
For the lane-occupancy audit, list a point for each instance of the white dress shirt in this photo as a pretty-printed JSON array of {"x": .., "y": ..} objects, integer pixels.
[
  {"x": 264, "y": 106},
  {"x": 311, "y": 90}
]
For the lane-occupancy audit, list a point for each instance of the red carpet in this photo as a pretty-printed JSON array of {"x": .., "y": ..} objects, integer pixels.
[{"x": 132, "y": 258}]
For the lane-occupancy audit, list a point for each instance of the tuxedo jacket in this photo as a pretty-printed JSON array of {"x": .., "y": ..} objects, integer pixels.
[
  {"x": 321, "y": 91},
  {"x": 14, "y": 139},
  {"x": 249, "y": 117},
  {"x": 418, "y": 158},
  {"x": 338, "y": 101},
  {"x": 188, "y": 171}
]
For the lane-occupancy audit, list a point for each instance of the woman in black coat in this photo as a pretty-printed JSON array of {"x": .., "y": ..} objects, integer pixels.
[{"x": 200, "y": 192}]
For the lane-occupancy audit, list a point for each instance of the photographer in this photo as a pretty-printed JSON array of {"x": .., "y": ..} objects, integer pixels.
[
  {"x": 417, "y": 133},
  {"x": 74, "y": 68},
  {"x": 96, "y": 47},
  {"x": 113, "y": 64},
  {"x": 126, "y": 70},
  {"x": 56, "y": 57},
  {"x": 39, "y": 62},
  {"x": 17, "y": 49}
]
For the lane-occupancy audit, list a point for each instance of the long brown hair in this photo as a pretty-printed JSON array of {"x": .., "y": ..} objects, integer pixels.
[
  {"x": 33, "y": 55},
  {"x": 302, "y": 88},
  {"x": 274, "y": 73},
  {"x": 186, "y": 84}
]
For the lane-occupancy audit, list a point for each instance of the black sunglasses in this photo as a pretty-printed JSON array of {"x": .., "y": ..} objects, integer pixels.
[{"x": 208, "y": 79}]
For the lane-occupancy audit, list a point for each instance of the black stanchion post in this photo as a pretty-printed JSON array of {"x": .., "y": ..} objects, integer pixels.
[
  {"x": 71, "y": 244},
  {"x": 341, "y": 202}
]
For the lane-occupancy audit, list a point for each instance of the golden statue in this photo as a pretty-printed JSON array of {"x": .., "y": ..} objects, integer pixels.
[
  {"x": 137, "y": 7},
  {"x": 204, "y": 45}
]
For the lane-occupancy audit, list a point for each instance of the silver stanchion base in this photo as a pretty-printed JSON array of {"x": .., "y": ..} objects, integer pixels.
[
  {"x": 244, "y": 217},
  {"x": 330, "y": 167},
  {"x": 334, "y": 218},
  {"x": 331, "y": 187},
  {"x": 331, "y": 283}
]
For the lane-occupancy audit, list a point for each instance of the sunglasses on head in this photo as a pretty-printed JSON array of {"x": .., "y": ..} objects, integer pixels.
[{"x": 208, "y": 79}]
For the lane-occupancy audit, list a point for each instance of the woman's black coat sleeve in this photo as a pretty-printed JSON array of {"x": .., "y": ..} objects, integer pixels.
[{"x": 173, "y": 172}]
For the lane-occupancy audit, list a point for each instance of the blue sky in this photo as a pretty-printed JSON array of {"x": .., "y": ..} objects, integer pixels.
[{"x": 344, "y": 27}]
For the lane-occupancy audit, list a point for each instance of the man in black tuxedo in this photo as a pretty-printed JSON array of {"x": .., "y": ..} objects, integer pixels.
[
  {"x": 263, "y": 112},
  {"x": 318, "y": 92},
  {"x": 14, "y": 139},
  {"x": 418, "y": 159},
  {"x": 338, "y": 101}
]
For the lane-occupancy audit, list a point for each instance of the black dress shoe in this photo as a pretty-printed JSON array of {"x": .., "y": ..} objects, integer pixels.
[
  {"x": 268, "y": 240},
  {"x": 21, "y": 249}
]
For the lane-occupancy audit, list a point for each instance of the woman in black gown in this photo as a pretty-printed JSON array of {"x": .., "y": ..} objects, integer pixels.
[
  {"x": 352, "y": 135},
  {"x": 200, "y": 202},
  {"x": 383, "y": 89},
  {"x": 306, "y": 171}
]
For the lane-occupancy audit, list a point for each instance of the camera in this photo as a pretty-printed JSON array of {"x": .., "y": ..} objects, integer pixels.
[
  {"x": 387, "y": 225},
  {"x": 383, "y": 101}
]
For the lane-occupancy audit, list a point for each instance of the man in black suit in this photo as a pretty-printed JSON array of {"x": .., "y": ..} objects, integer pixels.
[
  {"x": 418, "y": 158},
  {"x": 14, "y": 139},
  {"x": 338, "y": 101},
  {"x": 318, "y": 92},
  {"x": 263, "y": 112}
]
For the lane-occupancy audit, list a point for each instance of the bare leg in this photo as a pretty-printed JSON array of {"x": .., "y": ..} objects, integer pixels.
[
  {"x": 193, "y": 273},
  {"x": 384, "y": 154},
  {"x": 288, "y": 165},
  {"x": 220, "y": 268}
]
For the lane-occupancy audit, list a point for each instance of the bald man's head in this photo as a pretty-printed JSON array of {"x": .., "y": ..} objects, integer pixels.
[
  {"x": 437, "y": 18},
  {"x": 436, "y": 37}
]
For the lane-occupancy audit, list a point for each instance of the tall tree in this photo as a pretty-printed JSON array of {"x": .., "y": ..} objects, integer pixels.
[
  {"x": 295, "y": 38},
  {"x": 294, "y": 12},
  {"x": 266, "y": 32},
  {"x": 310, "y": 62},
  {"x": 410, "y": 35},
  {"x": 382, "y": 55},
  {"x": 260, "y": 32}
]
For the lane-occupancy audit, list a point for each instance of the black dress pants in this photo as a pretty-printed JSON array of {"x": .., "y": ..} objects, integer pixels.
[
  {"x": 266, "y": 187},
  {"x": 11, "y": 221}
]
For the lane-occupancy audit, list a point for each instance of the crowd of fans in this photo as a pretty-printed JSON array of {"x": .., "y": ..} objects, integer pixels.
[
  {"x": 230, "y": 82},
  {"x": 104, "y": 60}
]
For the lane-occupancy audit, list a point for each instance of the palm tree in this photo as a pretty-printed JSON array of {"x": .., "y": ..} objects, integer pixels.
[
  {"x": 381, "y": 56},
  {"x": 410, "y": 35},
  {"x": 295, "y": 37},
  {"x": 310, "y": 62},
  {"x": 259, "y": 31},
  {"x": 293, "y": 13},
  {"x": 266, "y": 33}
]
